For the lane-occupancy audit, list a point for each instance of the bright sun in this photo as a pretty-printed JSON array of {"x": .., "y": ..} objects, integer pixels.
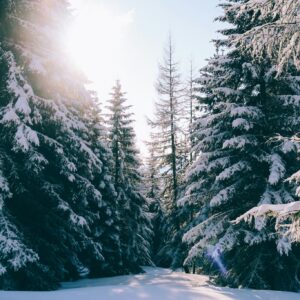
[{"x": 95, "y": 37}]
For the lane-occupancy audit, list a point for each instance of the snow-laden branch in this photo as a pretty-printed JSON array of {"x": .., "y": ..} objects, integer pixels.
[
  {"x": 277, "y": 33},
  {"x": 272, "y": 210}
]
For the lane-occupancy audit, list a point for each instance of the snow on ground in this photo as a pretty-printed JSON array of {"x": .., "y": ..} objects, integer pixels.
[{"x": 155, "y": 284}]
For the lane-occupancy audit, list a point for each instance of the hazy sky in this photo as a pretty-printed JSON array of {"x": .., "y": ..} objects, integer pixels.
[{"x": 130, "y": 51}]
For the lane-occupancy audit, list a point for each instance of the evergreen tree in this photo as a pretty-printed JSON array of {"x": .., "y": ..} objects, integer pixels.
[
  {"x": 152, "y": 190},
  {"x": 57, "y": 203},
  {"x": 131, "y": 204},
  {"x": 238, "y": 166},
  {"x": 280, "y": 18},
  {"x": 107, "y": 231},
  {"x": 285, "y": 22}
]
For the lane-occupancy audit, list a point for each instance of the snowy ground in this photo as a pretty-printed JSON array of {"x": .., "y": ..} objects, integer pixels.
[{"x": 156, "y": 284}]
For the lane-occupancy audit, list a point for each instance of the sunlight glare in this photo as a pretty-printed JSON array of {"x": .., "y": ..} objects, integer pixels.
[{"x": 95, "y": 37}]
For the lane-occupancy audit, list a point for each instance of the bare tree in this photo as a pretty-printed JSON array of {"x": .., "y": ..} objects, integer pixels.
[
  {"x": 192, "y": 107},
  {"x": 166, "y": 122}
]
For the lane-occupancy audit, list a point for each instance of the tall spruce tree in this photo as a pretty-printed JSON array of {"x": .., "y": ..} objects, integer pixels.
[
  {"x": 131, "y": 204},
  {"x": 152, "y": 190},
  {"x": 57, "y": 203},
  {"x": 280, "y": 19},
  {"x": 238, "y": 166}
]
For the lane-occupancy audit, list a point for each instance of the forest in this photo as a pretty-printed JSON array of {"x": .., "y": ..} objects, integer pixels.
[{"x": 218, "y": 191}]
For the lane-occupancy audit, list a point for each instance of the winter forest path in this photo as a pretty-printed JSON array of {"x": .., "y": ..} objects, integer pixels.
[{"x": 155, "y": 284}]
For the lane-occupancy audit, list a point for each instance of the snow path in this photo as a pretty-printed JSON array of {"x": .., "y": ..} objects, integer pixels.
[{"x": 156, "y": 284}]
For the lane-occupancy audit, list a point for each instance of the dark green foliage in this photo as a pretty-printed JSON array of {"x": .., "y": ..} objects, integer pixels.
[
  {"x": 132, "y": 207},
  {"x": 241, "y": 164}
]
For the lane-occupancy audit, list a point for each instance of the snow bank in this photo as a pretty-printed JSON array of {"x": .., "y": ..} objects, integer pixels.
[{"x": 156, "y": 284}]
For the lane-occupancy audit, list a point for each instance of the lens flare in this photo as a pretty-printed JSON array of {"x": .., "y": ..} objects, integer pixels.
[{"x": 214, "y": 253}]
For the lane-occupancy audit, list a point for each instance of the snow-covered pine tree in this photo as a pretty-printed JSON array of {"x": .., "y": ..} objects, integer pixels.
[
  {"x": 276, "y": 19},
  {"x": 135, "y": 223},
  {"x": 55, "y": 191},
  {"x": 238, "y": 165},
  {"x": 108, "y": 230},
  {"x": 152, "y": 190},
  {"x": 286, "y": 24}
]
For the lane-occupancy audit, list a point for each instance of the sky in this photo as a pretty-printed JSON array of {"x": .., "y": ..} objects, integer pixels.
[{"x": 124, "y": 40}]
